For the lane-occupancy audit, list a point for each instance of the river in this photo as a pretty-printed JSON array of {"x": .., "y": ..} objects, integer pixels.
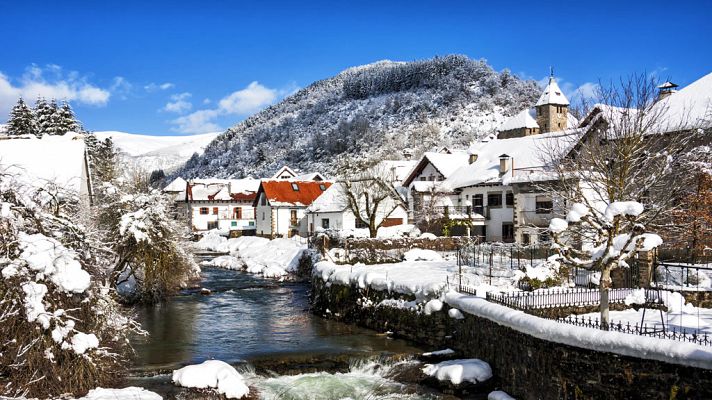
[{"x": 262, "y": 327}]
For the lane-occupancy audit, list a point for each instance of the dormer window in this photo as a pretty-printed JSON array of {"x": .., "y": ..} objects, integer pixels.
[
  {"x": 295, "y": 187},
  {"x": 322, "y": 187}
]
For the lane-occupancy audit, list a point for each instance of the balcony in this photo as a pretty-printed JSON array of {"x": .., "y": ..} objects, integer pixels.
[
  {"x": 540, "y": 218},
  {"x": 474, "y": 213}
]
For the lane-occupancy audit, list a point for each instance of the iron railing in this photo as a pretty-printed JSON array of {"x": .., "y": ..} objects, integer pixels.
[
  {"x": 560, "y": 298},
  {"x": 660, "y": 332}
]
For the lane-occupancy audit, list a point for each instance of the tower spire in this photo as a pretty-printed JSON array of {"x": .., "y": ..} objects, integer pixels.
[{"x": 551, "y": 72}]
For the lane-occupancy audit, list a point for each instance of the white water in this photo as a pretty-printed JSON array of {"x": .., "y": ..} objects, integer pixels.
[{"x": 365, "y": 380}]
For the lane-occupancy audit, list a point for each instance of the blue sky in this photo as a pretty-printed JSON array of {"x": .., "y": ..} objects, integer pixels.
[{"x": 161, "y": 67}]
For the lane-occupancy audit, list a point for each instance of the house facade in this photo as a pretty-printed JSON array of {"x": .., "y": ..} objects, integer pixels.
[
  {"x": 281, "y": 206},
  {"x": 330, "y": 211},
  {"x": 225, "y": 205}
]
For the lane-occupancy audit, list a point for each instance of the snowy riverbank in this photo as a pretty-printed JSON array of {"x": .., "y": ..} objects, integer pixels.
[{"x": 275, "y": 258}]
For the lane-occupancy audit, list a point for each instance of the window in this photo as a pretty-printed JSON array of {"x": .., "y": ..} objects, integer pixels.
[
  {"x": 215, "y": 211},
  {"x": 204, "y": 211},
  {"x": 509, "y": 198},
  {"x": 526, "y": 239},
  {"x": 237, "y": 213},
  {"x": 295, "y": 187},
  {"x": 293, "y": 215},
  {"x": 494, "y": 199},
  {"x": 325, "y": 223},
  {"x": 544, "y": 205},
  {"x": 507, "y": 232},
  {"x": 477, "y": 200},
  {"x": 263, "y": 199},
  {"x": 233, "y": 223},
  {"x": 263, "y": 215},
  {"x": 212, "y": 225},
  {"x": 360, "y": 224},
  {"x": 422, "y": 178},
  {"x": 322, "y": 187}
]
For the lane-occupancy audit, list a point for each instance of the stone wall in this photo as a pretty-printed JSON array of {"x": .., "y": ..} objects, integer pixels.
[{"x": 524, "y": 366}]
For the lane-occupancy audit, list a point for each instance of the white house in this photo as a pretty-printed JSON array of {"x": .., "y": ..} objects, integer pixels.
[
  {"x": 223, "y": 204},
  {"x": 287, "y": 173},
  {"x": 331, "y": 211},
  {"x": 280, "y": 206}
]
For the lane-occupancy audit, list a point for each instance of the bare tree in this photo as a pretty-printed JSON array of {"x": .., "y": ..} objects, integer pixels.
[
  {"x": 620, "y": 179},
  {"x": 430, "y": 205},
  {"x": 371, "y": 196}
]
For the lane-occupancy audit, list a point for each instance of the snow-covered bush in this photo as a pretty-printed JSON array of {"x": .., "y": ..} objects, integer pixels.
[
  {"x": 150, "y": 261},
  {"x": 61, "y": 329}
]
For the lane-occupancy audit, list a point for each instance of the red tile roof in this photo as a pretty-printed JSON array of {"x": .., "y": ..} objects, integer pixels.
[{"x": 280, "y": 192}]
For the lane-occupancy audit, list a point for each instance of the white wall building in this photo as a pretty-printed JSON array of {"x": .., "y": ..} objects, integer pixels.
[
  {"x": 331, "y": 211},
  {"x": 222, "y": 204},
  {"x": 280, "y": 206}
]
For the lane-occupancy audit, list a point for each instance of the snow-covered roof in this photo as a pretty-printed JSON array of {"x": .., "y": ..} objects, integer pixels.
[
  {"x": 312, "y": 176},
  {"x": 281, "y": 192},
  {"x": 552, "y": 95},
  {"x": 525, "y": 119},
  {"x": 222, "y": 189},
  {"x": 58, "y": 159},
  {"x": 398, "y": 170},
  {"x": 526, "y": 153},
  {"x": 284, "y": 171},
  {"x": 689, "y": 107},
  {"x": 445, "y": 163},
  {"x": 332, "y": 200},
  {"x": 177, "y": 185}
]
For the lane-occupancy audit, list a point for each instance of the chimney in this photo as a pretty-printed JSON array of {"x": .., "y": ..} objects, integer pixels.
[
  {"x": 473, "y": 158},
  {"x": 503, "y": 164},
  {"x": 666, "y": 89}
]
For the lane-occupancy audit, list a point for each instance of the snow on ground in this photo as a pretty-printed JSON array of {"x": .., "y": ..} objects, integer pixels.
[
  {"x": 269, "y": 258},
  {"x": 424, "y": 279},
  {"x": 390, "y": 232},
  {"x": 213, "y": 374},
  {"x": 129, "y": 393},
  {"x": 458, "y": 371},
  {"x": 499, "y": 395},
  {"x": 422, "y": 255},
  {"x": 646, "y": 347},
  {"x": 445, "y": 352},
  {"x": 681, "y": 315}
]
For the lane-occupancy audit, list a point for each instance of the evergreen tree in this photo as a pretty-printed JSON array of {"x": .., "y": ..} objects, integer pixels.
[
  {"x": 21, "y": 120},
  {"x": 43, "y": 116},
  {"x": 54, "y": 127},
  {"x": 66, "y": 121}
]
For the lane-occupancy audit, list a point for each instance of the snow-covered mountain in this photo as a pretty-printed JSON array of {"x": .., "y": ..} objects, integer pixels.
[
  {"x": 366, "y": 112},
  {"x": 158, "y": 152}
]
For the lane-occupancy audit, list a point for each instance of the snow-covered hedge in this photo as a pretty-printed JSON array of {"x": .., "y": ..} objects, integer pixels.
[{"x": 62, "y": 330}]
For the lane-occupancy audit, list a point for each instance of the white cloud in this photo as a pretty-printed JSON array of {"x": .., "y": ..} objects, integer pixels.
[
  {"x": 154, "y": 87},
  {"x": 248, "y": 100},
  {"x": 50, "y": 81},
  {"x": 587, "y": 91},
  {"x": 121, "y": 87},
  {"x": 242, "y": 102},
  {"x": 200, "y": 121},
  {"x": 179, "y": 103}
]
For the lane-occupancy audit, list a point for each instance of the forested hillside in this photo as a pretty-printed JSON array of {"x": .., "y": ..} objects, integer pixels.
[{"x": 380, "y": 110}]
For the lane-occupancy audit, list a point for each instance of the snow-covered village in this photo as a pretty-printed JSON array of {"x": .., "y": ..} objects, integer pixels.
[{"x": 518, "y": 206}]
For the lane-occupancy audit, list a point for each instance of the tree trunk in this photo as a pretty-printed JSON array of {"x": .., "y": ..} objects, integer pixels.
[
  {"x": 604, "y": 286},
  {"x": 372, "y": 230}
]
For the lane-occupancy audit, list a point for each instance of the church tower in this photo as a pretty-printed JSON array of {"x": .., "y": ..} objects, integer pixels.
[{"x": 552, "y": 109}]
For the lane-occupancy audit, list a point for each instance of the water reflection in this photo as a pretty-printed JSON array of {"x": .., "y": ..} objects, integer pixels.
[{"x": 245, "y": 318}]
